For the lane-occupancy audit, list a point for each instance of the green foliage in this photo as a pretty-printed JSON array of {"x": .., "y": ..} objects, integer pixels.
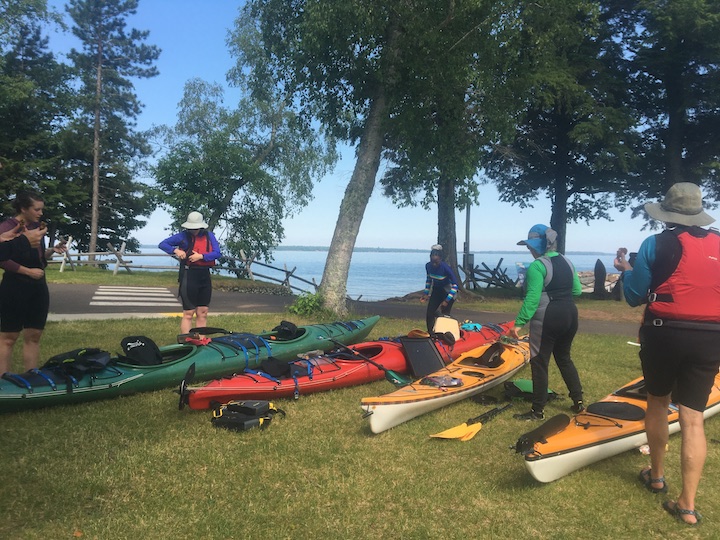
[
  {"x": 307, "y": 305},
  {"x": 574, "y": 139},
  {"x": 676, "y": 86},
  {"x": 245, "y": 169},
  {"x": 34, "y": 103}
]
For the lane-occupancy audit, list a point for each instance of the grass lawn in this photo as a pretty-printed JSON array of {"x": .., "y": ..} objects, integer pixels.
[{"x": 137, "y": 467}]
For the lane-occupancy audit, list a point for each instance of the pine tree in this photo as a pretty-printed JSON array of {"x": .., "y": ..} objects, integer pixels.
[{"x": 111, "y": 56}]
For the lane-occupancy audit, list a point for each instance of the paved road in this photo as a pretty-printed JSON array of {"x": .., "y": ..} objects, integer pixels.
[{"x": 68, "y": 302}]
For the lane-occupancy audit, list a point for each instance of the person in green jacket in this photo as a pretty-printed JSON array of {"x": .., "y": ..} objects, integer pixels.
[{"x": 551, "y": 283}]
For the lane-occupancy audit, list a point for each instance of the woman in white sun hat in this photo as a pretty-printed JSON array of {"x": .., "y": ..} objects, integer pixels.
[{"x": 197, "y": 249}]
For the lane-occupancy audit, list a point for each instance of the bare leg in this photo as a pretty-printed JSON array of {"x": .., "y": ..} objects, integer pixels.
[
  {"x": 7, "y": 342},
  {"x": 202, "y": 314},
  {"x": 31, "y": 347},
  {"x": 656, "y": 426},
  {"x": 692, "y": 457},
  {"x": 187, "y": 321}
]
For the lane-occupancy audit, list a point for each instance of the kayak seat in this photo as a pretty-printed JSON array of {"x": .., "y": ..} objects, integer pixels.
[
  {"x": 618, "y": 411},
  {"x": 286, "y": 336},
  {"x": 286, "y": 330},
  {"x": 175, "y": 353},
  {"x": 422, "y": 356},
  {"x": 348, "y": 354},
  {"x": 140, "y": 351},
  {"x": 491, "y": 358}
]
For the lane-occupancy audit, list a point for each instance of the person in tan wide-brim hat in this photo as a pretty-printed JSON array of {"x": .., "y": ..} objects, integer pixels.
[
  {"x": 197, "y": 249},
  {"x": 682, "y": 205},
  {"x": 677, "y": 275}
]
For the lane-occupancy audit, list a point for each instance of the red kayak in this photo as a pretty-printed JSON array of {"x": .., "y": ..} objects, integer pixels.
[
  {"x": 339, "y": 369},
  {"x": 474, "y": 336}
]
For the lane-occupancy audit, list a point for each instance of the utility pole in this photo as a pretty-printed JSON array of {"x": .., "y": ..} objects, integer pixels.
[{"x": 468, "y": 258}]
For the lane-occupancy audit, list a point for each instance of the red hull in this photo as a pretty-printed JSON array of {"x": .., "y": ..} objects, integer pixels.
[
  {"x": 473, "y": 339},
  {"x": 329, "y": 373}
]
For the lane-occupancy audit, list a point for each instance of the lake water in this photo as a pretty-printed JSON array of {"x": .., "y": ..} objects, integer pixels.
[{"x": 378, "y": 275}]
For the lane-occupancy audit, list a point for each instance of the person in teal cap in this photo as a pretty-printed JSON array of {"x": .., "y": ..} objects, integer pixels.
[{"x": 550, "y": 285}]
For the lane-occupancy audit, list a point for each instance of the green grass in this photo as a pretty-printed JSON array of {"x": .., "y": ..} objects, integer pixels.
[{"x": 137, "y": 467}]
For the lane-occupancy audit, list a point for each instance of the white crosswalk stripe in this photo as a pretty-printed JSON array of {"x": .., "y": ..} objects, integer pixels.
[{"x": 134, "y": 296}]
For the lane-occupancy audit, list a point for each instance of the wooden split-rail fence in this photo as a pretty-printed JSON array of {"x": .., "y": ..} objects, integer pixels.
[{"x": 242, "y": 266}]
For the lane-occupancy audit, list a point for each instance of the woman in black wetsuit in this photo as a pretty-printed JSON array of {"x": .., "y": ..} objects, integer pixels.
[
  {"x": 24, "y": 296},
  {"x": 197, "y": 249}
]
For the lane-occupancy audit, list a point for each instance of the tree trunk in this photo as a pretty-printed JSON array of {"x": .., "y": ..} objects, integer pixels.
[
  {"x": 333, "y": 286},
  {"x": 447, "y": 236},
  {"x": 558, "y": 217},
  {"x": 676, "y": 125},
  {"x": 95, "y": 203}
]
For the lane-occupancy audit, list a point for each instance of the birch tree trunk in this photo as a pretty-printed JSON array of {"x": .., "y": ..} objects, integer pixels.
[{"x": 333, "y": 287}]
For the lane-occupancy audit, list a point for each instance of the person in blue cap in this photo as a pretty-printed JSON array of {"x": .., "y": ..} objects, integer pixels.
[{"x": 551, "y": 283}]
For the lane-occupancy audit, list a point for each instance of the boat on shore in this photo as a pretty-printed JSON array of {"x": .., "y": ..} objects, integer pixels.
[
  {"x": 613, "y": 425},
  {"x": 85, "y": 378},
  {"x": 473, "y": 372},
  {"x": 359, "y": 364}
]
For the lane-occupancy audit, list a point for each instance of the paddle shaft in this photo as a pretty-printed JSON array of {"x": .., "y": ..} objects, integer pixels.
[
  {"x": 481, "y": 419},
  {"x": 395, "y": 376},
  {"x": 355, "y": 353}
]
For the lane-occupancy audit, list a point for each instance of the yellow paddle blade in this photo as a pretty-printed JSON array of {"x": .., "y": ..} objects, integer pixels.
[
  {"x": 459, "y": 432},
  {"x": 472, "y": 431}
]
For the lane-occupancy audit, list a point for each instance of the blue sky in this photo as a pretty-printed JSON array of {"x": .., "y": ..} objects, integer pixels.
[{"x": 192, "y": 35}]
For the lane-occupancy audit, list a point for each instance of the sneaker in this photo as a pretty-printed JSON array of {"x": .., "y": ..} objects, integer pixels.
[
  {"x": 577, "y": 407},
  {"x": 530, "y": 415}
]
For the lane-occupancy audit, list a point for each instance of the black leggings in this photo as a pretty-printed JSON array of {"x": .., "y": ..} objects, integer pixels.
[
  {"x": 556, "y": 332},
  {"x": 433, "y": 307}
]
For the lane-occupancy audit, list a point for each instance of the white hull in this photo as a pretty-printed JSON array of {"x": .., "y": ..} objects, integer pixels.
[
  {"x": 387, "y": 415},
  {"x": 550, "y": 468}
]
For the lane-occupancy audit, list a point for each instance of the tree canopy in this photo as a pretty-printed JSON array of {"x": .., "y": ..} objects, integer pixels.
[
  {"x": 674, "y": 54},
  {"x": 245, "y": 169}
]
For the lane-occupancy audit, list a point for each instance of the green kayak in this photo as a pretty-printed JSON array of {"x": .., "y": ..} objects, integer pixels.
[{"x": 90, "y": 374}]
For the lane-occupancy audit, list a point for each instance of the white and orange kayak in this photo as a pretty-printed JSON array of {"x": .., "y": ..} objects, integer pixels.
[
  {"x": 608, "y": 427},
  {"x": 473, "y": 372}
]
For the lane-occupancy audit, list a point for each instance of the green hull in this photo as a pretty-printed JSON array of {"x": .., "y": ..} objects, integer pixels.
[{"x": 223, "y": 356}]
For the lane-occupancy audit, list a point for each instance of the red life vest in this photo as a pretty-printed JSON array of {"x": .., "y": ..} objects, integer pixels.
[
  {"x": 197, "y": 245},
  {"x": 692, "y": 292}
]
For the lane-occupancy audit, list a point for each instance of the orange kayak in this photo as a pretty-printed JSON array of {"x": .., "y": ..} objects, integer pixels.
[
  {"x": 609, "y": 427},
  {"x": 473, "y": 372}
]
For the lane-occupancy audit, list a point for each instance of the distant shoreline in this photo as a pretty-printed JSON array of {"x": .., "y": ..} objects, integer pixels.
[{"x": 406, "y": 250}]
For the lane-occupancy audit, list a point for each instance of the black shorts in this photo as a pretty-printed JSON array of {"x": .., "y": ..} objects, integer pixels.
[
  {"x": 196, "y": 288},
  {"x": 680, "y": 361},
  {"x": 24, "y": 303}
]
